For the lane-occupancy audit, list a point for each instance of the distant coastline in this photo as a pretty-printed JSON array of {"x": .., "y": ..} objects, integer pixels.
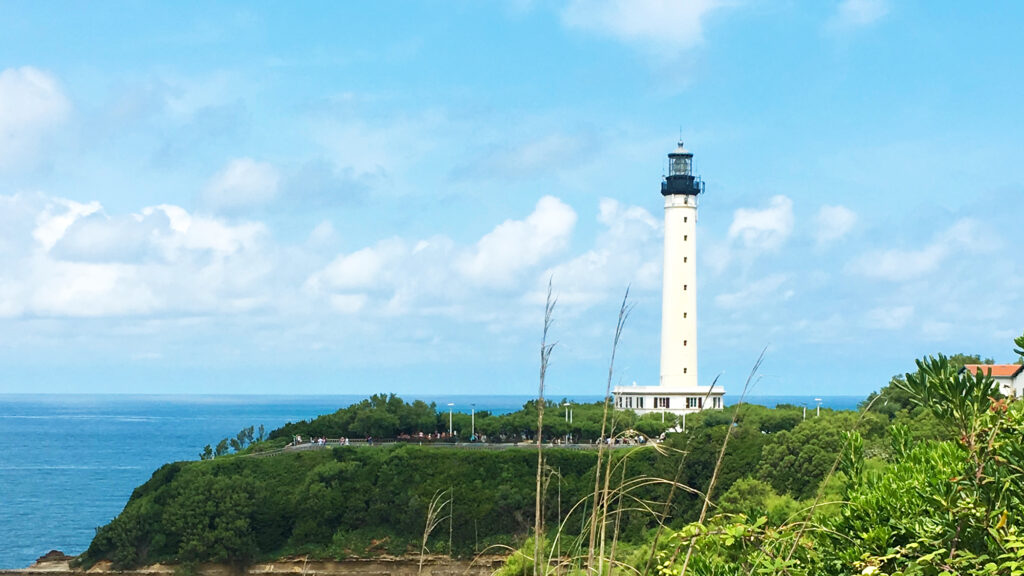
[{"x": 496, "y": 403}]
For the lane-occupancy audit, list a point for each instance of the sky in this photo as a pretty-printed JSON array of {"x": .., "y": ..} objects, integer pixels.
[{"x": 351, "y": 198}]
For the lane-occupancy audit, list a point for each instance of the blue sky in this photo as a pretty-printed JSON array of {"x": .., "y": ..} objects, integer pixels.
[{"x": 363, "y": 197}]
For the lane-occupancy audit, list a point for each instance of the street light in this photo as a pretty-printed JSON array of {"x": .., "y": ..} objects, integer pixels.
[
  {"x": 568, "y": 419},
  {"x": 450, "y": 405},
  {"x": 818, "y": 413}
]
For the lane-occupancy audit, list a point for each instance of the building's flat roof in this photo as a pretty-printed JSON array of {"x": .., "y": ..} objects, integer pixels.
[{"x": 696, "y": 390}]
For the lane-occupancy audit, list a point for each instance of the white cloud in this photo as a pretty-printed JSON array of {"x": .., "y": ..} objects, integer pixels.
[
  {"x": 78, "y": 261},
  {"x": 857, "y": 13},
  {"x": 242, "y": 183},
  {"x": 665, "y": 26},
  {"x": 627, "y": 252},
  {"x": 833, "y": 223},
  {"x": 889, "y": 318},
  {"x": 385, "y": 150},
  {"x": 434, "y": 276},
  {"x": 59, "y": 215},
  {"x": 556, "y": 152},
  {"x": 348, "y": 303},
  {"x": 935, "y": 330},
  {"x": 32, "y": 104},
  {"x": 90, "y": 290},
  {"x": 476, "y": 282},
  {"x": 363, "y": 269},
  {"x": 98, "y": 237},
  {"x": 323, "y": 234},
  {"x": 766, "y": 229},
  {"x": 767, "y": 289},
  {"x": 899, "y": 265},
  {"x": 516, "y": 245}
]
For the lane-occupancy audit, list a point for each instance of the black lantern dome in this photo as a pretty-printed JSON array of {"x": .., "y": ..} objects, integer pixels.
[{"x": 680, "y": 179}]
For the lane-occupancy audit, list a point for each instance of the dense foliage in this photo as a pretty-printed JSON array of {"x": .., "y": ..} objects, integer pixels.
[
  {"x": 925, "y": 480},
  {"x": 921, "y": 506},
  {"x": 358, "y": 501},
  {"x": 330, "y": 503},
  {"x": 385, "y": 416}
]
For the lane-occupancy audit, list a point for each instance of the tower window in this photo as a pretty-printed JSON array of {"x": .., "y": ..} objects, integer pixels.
[
  {"x": 684, "y": 287},
  {"x": 684, "y": 219},
  {"x": 684, "y": 237},
  {"x": 685, "y": 259},
  {"x": 684, "y": 314},
  {"x": 684, "y": 342},
  {"x": 684, "y": 370}
]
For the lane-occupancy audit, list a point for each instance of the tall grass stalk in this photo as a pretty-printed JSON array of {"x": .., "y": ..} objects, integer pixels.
[
  {"x": 597, "y": 509},
  {"x": 545, "y": 357},
  {"x": 434, "y": 518},
  {"x": 618, "y": 508},
  {"x": 721, "y": 456}
]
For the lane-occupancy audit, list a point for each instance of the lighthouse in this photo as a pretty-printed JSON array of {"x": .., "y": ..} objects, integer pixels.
[
  {"x": 681, "y": 190},
  {"x": 678, "y": 390}
]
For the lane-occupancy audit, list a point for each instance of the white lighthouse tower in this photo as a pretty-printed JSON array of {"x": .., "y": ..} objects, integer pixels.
[{"x": 678, "y": 390}]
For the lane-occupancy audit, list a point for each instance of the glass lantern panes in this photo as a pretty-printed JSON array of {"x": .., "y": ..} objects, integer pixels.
[{"x": 680, "y": 165}]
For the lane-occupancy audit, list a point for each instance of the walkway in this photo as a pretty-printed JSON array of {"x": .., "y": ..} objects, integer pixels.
[{"x": 460, "y": 445}]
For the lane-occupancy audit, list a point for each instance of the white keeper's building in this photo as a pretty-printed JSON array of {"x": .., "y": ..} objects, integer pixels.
[
  {"x": 678, "y": 391},
  {"x": 1010, "y": 377}
]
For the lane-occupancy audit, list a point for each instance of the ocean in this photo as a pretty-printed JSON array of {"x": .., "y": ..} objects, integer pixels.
[{"x": 69, "y": 462}]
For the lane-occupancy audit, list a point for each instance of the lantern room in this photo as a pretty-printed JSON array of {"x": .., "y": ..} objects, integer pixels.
[{"x": 680, "y": 179}]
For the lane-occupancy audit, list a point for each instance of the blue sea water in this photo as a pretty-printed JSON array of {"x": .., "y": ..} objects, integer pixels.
[{"x": 68, "y": 463}]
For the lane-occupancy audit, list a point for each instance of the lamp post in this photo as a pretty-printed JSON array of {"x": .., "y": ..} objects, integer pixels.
[
  {"x": 568, "y": 420},
  {"x": 818, "y": 409},
  {"x": 472, "y": 422},
  {"x": 450, "y": 405}
]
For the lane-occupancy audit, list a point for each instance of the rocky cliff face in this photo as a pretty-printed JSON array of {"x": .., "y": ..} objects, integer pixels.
[{"x": 57, "y": 564}]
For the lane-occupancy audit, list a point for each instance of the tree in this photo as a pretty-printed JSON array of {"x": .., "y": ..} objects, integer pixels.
[
  {"x": 796, "y": 461},
  {"x": 209, "y": 517}
]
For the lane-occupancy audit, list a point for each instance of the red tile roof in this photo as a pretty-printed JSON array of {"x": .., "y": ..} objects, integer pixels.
[{"x": 998, "y": 370}]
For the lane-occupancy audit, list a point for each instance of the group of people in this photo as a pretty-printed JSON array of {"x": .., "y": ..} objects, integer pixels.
[{"x": 319, "y": 441}]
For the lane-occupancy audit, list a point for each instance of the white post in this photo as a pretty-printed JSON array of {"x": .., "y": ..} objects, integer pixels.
[
  {"x": 472, "y": 421},
  {"x": 450, "y": 404}
]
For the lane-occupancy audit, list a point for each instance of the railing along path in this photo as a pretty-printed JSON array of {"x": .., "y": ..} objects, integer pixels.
[{"x": 306, "y": 446}]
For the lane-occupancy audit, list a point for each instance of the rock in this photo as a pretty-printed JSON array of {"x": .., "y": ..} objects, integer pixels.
[{"x": 54, "y": 556}]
